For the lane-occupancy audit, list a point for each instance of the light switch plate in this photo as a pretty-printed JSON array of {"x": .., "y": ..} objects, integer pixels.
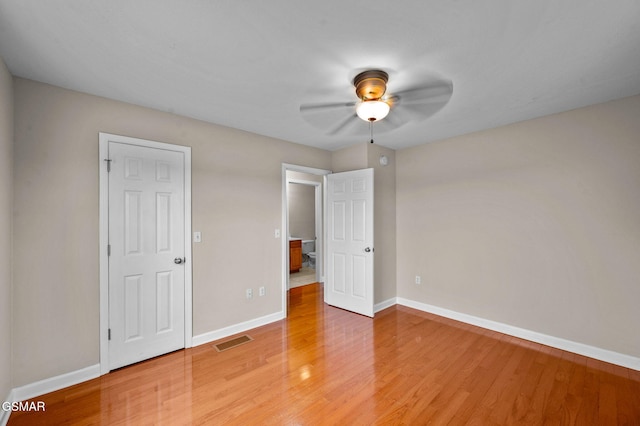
[{"x": 197, "y": 237}]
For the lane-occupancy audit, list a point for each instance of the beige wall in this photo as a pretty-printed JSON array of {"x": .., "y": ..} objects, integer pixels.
[
  {"x": 6, "y": 190},
  {"x": 350, "y": 158},
  {"x": 302, "y": 210},
  {"x": 236, "y": 204},
  {"x": 536, "y": 225},
  {"x": 384, "y": 221}
]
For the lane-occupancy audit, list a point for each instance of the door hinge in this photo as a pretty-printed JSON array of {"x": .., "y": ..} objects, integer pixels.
[
  {"x": 109, "y": 334},
  {"x": 108, "y": 164},
  {"x": 108, "y": 249}
]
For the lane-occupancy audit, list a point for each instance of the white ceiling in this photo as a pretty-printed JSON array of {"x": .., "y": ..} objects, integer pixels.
[{"x": 251, "y": 64}]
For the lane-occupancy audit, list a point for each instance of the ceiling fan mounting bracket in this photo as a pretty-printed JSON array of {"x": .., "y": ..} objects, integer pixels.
[{"x": 371, "y": 84}]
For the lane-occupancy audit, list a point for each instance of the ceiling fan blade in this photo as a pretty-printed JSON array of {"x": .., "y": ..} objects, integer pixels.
[
  {"x": 389, "y": 123},
  {"x": 324, "y": 116},
  {"x": 417, "y": 111},
  {"x": 418, "y": 103},
  {"x": 343, "y": 124},
  {"x": 325, "y": 106},
  {"x": 435, "y": 92}
]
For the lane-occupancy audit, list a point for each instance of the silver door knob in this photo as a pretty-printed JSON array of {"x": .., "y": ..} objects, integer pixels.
[
  {"x": 367, "y": 249},
  {"x": 178, "y": 260}
]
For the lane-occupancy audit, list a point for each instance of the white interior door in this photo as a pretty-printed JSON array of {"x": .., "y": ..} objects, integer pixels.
[
  {"x": 147, "y": 252},
  {"x": 349, "y": 280}
]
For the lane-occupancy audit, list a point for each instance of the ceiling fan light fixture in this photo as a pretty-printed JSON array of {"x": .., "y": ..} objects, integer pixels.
[{"x": 372, "y": 110}]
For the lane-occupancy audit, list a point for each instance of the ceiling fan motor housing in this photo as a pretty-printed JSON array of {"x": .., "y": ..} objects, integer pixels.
[{"x": 371, "y": 85}]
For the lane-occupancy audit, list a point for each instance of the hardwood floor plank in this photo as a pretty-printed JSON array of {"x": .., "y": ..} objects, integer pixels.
[{"x": 323, "y": 365}]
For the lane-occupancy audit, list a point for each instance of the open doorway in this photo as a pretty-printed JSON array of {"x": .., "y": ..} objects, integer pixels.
[
  {"x": 302, "y": 225},
  {"x": 304, "y": 230}
]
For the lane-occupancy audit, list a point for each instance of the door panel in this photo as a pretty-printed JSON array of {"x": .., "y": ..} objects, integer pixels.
[
  {"x": 132, "y": 222},
  {"x": 338, "y": 213},
  {"x": 164, "y": 290},
  {"x": 132, "y": 307},
  {"x": 146, "y": 234},
  {"x": 350, "y": 241},
  {"x": 163, "y": 223},
  {"x": 339, "y": 265}
]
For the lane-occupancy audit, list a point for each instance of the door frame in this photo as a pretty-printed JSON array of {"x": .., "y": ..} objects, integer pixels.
[
  {"x": 284, "y": 236},
  {"x": 103, "y": 151}
]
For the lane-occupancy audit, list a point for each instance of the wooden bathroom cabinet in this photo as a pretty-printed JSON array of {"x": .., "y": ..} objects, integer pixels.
[{"x": 295, "y": 255}]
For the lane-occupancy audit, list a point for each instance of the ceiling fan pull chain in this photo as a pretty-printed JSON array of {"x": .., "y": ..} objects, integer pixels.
[{"x": 371, "y": 129}]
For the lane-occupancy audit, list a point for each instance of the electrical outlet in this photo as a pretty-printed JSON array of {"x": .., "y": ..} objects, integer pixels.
[
  {"x": 261, "y": 291},
  {"x": 249, "y": 293},
  {"x": 418, "y": 280}
]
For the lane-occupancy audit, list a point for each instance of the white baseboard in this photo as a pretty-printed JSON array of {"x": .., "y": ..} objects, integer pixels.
[
  {"x": 56, "y": 383},
  {"x": 210, "y": 336},
  {"x": 385, "y": 304},
  {"x": 556, "y": 342},
  {"x": 4, "y": 415}
]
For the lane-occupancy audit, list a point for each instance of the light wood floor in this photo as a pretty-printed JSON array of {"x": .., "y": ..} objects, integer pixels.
[{"x": 327, "y": 366}]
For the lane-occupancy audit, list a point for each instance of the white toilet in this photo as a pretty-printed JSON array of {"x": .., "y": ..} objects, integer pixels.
[{"x": 308, "y": 251}]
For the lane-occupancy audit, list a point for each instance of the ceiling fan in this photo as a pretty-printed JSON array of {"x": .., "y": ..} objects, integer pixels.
[{"x": 375, "y": 105}]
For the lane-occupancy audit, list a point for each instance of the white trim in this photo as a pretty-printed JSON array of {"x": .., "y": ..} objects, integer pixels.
[
  {"x": 211, "y": 336},
  {"x": 305, "y": 169},
  {"x": 304, "y": 182},
  {"x": 103, "y": 150},
  {"x": 385, "y": 304},
  {"x": 556, "y": 342},
  {"x": 55, "y": 383},
  {"x": 320, "y": 241},
  {"x": 4, "y": 415},
  {"x": 104, "y": 259},
  {"x": 188, "y": 252},
  {"x": 284, "y": 231},
  {"x": 325, "y": 235}
]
